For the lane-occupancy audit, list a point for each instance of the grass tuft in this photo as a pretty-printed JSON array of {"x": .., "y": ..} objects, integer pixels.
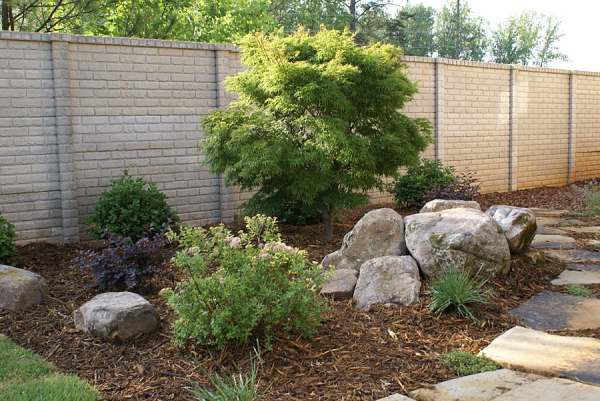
[
  {"x": 464, "y": 363},
  {"x": 236, "y": 387},
  {"x": 456, "y": 290},
  {"x": 579, "y": 290}
]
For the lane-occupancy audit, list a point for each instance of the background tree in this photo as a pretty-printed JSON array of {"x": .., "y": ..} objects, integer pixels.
[
  {"x": 459, "y": 34},
  {"x": 412, "y": 28},
  {"x": 311, "y": 14},
  {"x": 547, "y": 49},
  {"x": 47, "y": 15},
  {"x": 515, "y": 41},
  {"x": 317, "y": 121}
]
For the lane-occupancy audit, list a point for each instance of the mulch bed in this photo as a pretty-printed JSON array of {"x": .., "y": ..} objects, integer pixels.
[{"x": 354, "y": 356}]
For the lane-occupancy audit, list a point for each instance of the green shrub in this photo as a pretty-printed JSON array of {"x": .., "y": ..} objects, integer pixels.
[
  {"x": 7, "y": 239},
  {"x": 290, "y": 212},
  {"x": 456, "y": 289},
  {"x": 410, "y": 188},
  {"x": 464, "y": 363},
  {"x": 592, "y": 201},
  {"x": 317, "y": 123},
  {"x": 237, "y": 387},
  {"x": 579, "y": 290},
  {"x": 238, "y": 288},
  {"x": 131, "y": 208}
]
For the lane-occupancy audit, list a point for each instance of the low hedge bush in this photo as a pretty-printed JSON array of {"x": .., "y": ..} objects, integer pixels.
[
  {"x": 244, "y": 287},
  {"x": 7, "y": 239},
  {"x": 131, "y": 208}
]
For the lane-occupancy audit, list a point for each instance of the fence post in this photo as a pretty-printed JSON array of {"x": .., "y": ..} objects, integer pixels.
[
  {"x": 513, "y": 178},
  {"x": 226, "y": 204},
  {"x": 572, "y": 173},
  {"x": 439, "y": 109},
  {"x": 64, "y": 138}
]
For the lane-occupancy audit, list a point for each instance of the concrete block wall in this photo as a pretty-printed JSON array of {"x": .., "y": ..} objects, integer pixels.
[{"x": 75, "y": 112}]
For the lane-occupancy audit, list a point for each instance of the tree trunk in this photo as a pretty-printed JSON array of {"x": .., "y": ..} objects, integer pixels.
[
  {"x": 6, "y": 12},
  {"x": 352, "y": 8},
  {"x": 327, "y": 223}
]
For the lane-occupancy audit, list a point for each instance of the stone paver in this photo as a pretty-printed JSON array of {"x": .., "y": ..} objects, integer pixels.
[
  {"x": 583, "y": 230},
  {"x": 541, "y": 229},
  {"x": 551, "y": 311},
  {"x": 548, "y": 221},
  {"x": 538, "y": 352},
  {"x": 396, "y": 397},
  {"x": 584, "y": 267},
  {"x": 544, "y": 241},
  {"x": 479, "y": 387},
  {"x": 575, "y": 256},
  {"x": 552, "y": 390},
  {"x": 549, "y": 212},
  {"x": 577, "y": 277}
]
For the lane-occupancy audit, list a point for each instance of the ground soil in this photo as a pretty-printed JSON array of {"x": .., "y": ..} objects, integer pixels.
[{"x": 354, "y": 356}]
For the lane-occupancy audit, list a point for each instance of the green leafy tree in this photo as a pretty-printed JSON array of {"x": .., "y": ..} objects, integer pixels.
[
  {"x": 373, "y": 27},
  {"x": 548, "y": 50},
  {"x": 412, "y": 28},
  {"x": 311, "y": 14},
  {"x": 514, "y": 41},
  {"x": 47, "y": 15},
  {"x": 317, "y": 121},
  {"x": 459, "y": 34}
]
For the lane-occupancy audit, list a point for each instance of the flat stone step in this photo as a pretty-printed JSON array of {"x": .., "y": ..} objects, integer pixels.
[
  {"x": 549, "y": 230},
  {"x": 584, "y": 267},
  {"x": 577, "y": 277},
  {"x": 539, "y": 212},
  {"x": 583, "y": 230},
  {"x": 574, "y": 255},
  {"x": 552, "y": 311},
  {"x": 538, "y": 352},
  {"x": 396, "y": 397},
  {"x": 508, "y": 385},
  {"x": 548, "y": 221},
  {"x": 545, "y": 241}
]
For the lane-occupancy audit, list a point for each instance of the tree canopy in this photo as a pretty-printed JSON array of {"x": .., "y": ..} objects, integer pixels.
[{"x": 317, "y": 122}]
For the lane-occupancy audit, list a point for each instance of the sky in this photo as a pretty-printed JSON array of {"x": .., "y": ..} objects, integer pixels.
[{"x": 580, "y": 24}]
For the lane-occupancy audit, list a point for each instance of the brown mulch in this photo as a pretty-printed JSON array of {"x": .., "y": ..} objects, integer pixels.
[
  {"x": 567, "y": 197},
  {"x": 354, "y": 356}
]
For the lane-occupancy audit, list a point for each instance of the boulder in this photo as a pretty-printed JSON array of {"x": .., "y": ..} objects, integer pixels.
[
  {"x": 457, "y": 238},
  {"x": 20, "y": 289},
  {"x": 341, "y": 284},
  {"x": 437, "y": 205},
  {"x": 116, "y": 316},
  {"x": 387, "y": 280},
  {"x": 517, "y": 223},
  {"x": 380, "y": 232}
]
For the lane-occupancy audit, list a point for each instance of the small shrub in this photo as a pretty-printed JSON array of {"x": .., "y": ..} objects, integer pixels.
[
  {"x": 463, "y": 187},
  {"x": 243, "y": 287},
  {"x": 290, "y": 212},
  {"x": 464, "y": 363},
  {"x": 592, "y": 201},
  {"x": 237, "y": 387},
  {"x": 124, "y": 263},
  {"x": 579, "y": 290},
  {"x": 457, "y": 289},
  {"x": 410, "y": 188},
  {"x": 7, "y": 239},
  {"x": 131, "y": 208}
]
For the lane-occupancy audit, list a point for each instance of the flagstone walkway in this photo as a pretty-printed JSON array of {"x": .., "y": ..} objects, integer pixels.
[{"x": 538, "y": 365}]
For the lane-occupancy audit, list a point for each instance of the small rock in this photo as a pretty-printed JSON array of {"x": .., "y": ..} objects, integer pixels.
[
  {"x": 534, "y": 256},
  {"x": 21, "y": 289},
  {"x": 396, "y": 397},
  {"x": 341, "y": 284},
  {"x": 116, "y": 316},
  {"x": 518, "y": 224},
  {"x": 387, "y": 280},
  {"x": 466, "y": 239},
  {"x": 378, "y": 233},
  {"x": 437, "y": 205}
]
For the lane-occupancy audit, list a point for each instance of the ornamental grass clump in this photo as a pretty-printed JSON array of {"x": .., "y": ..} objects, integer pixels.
[
  {"x": 243, "y": 287},
  {"x": 457, "y": 290},
  {"x": 464, "y": 363}
]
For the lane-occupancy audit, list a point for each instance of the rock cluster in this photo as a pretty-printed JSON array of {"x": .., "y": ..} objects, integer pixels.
[{"x": 383, "y": 256}]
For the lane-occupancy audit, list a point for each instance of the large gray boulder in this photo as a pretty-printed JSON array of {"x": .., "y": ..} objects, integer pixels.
[
  {"x": 380, "y": 232},
  {"x": 116, "y": 316},
  {"x": 20, "y": 289},
  {"x": 518, "y": 224},
  {"x": 437, "y": 205},
  {"x": 341, "y": 284},
  {"x": 387, "y": 280},
  {"x": 457, "y": 238}
]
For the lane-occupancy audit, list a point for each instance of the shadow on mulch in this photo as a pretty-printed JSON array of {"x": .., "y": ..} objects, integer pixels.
[{"x": 354, "y": 356}]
